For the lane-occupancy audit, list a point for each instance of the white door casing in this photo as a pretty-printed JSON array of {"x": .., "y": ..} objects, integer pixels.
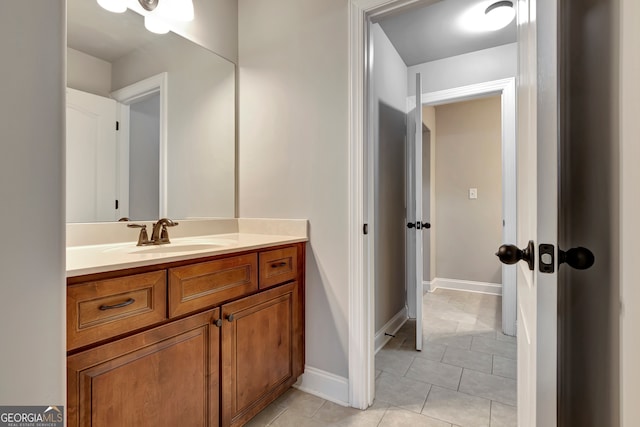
[
  {"x": 91, "y": 158},
  {"x": 506, "y": 88},
  {"x": 157, "y": 84},
  {"x": 413, "y": 171}
]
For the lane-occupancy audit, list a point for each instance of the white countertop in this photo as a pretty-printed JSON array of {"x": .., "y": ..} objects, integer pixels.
[
  {"x": 89, "y": 259},
  {"x": 100, "y": 247}
]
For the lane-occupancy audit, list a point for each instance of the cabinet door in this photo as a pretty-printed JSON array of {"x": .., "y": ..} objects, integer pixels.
[
  {"x": 167, "y": 376},
  {"x": 260, "y": 346}
]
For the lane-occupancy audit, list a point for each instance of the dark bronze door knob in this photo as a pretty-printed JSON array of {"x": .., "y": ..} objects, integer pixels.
[{"x": 510, "y": 254}]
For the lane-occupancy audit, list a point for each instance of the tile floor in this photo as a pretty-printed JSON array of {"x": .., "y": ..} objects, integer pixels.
[{"x": 463, "y": 377}]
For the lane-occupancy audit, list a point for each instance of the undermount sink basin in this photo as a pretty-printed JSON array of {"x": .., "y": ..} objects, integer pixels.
[{"x": 175, "y": 247}]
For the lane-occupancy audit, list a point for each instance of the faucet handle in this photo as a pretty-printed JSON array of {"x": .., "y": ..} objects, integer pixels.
[{"x": 143, "y": 237}]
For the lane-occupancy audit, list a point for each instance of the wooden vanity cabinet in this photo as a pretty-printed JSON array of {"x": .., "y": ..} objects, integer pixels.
[
  {"x": 214, "y": 357},
  {"x": 260, "y": 346},
  {"x": 166, "y": 376}
]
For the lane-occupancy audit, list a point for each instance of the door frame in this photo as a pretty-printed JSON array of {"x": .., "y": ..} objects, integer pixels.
[
  {"x": 360, "y": 245},
  {"x": 130, "y": 95},
  {"x": 360, "y": 248},
  {"x": 506, "y": 88}
]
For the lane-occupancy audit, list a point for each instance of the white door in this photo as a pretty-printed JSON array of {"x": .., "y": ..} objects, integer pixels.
[
  {"x": 537, "y": 211},
  {"x": 91, "y": 157},
  {"x": 414, "y": 212}
]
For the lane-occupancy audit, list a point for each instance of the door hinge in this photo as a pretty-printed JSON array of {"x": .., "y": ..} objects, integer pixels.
[
  {"x": 365, "y": 229},
  {"x": 117, "y": 125}
]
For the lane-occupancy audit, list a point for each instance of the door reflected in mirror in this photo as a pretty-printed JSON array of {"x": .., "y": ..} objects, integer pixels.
[{"x": 150, "y": 122}]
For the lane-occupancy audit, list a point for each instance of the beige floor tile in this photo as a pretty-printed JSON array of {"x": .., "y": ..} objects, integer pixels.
[
  {"x": 402, "y": 392},
  {"x": 503, "y": 415},
  {"x": 505, "y": 367},
  {"x": 393, "y": 361},
  {"x": 435, "y": 373},
  {"x": 300, "y": 402},
  {"x": 452, "y": 340},
  {"x": 493, "y": 346},
  {"x": 477, "y": 361},
  {"x": 396, "y": 417},
  {"x": 291, "y": 418},
  {"x": 429, "y": 350},
  {"x": 266, "y": 416},
  {"x": 457, "y": 408},
  {"x": 489, "y": 386}
]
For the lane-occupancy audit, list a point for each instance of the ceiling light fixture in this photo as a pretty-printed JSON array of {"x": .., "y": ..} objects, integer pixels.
[
  {"x": 158, "y": 14},
  {"x": 499, "y": 14},
  {"x": 115, "y": 6}
]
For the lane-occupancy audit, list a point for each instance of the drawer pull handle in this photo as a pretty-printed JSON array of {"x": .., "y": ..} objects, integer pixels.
[
  {"x": 122, "y": 304},
  {"x": 230, "y": 318},
  {"x": 218, "y": 323},
  {"x": 278, "y": 264}
]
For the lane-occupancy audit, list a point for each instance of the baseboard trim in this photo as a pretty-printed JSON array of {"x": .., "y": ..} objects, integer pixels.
[
  {"x": 391, "y": 327},
  {"x": 326, "y": 385},
  {"x": 426, "y": 286},
  {"x": 465, "y": 285}
]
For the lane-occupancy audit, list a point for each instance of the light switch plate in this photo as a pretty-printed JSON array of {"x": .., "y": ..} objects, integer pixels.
[{"x": 473, "y": 193}]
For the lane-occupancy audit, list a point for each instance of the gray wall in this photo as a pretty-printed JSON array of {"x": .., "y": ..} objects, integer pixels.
[
  {"x": 32, "y": 305},
  {"x": 144, "y": 155},
  {"x": 468, "y": 154},
  {"x": 88, "y": 73},
  {"x": 32, "y": 319},
  {"x": 389, "y": 77},
  {"x": 201, "y": 130},
  {"x": 462, "y": 70},
  {"x": 293, "y": 152}
]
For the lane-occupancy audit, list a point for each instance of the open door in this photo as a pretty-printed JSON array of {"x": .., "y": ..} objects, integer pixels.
[
  {"x": 414, "y": 212},
  {"x": 537, "y": 218},
  {"x": 91, "y": 157}
]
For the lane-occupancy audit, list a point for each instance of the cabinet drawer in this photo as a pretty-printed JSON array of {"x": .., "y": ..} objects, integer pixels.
[
  {"x": 278, "y": 266},
  {"x": 198, "y": 286},
  {"x": 106, "y": 308}
]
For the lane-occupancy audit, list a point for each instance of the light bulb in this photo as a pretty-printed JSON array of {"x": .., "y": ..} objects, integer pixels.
[
  {"x": 155, "y": 25},
  {"x": 176, "y": 10},
  {"x": 116, "y": 6},
  {"x": 499, "y": 15}
]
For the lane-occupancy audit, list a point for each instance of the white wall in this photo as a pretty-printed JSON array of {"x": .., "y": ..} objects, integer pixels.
[
  {"x": 215, "y": 26},
  {"x": 88, "y": 73},
  {"x": 293, "y": 113},
  {"x": 32, "y": 286},
  {"x": 476, "y": 67},
  {"x": 390, "y": 101}
]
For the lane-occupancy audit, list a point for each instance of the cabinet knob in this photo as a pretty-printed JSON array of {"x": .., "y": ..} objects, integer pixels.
[
  {"x": 230, "y": 317},
  {"x": 218, "y": 322}
]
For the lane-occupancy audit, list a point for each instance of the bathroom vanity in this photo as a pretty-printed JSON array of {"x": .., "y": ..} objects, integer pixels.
[{"x": 205, "y": 331}]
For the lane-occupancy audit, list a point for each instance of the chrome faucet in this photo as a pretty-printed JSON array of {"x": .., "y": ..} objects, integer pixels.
[{"x": 159, "y": 235}]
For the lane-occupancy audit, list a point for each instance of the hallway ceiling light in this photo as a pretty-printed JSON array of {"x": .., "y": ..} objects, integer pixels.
[
  {"x": 158, "y": 14},
  {"x": 487, "y": 16},
  {"x": 500, "y": 14}
]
